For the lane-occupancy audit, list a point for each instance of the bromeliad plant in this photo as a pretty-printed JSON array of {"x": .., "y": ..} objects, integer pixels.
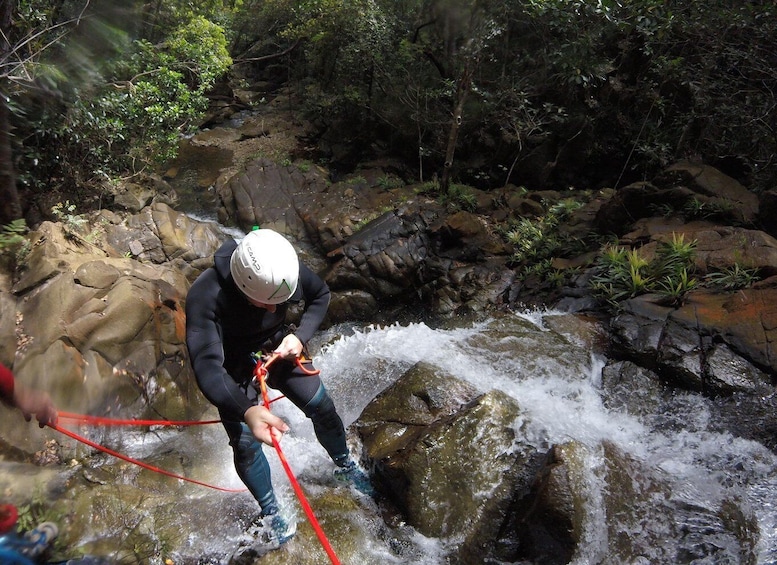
[
  {"x": 536, "y": 241},
  {"x": 625, "y": 273},
  {"x": 733, "y": 278}
]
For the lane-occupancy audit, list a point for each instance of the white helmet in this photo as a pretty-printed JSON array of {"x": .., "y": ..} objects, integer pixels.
[{"x": 265, "y": 267}]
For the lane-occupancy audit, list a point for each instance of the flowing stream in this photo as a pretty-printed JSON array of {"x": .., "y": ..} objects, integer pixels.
[
  {"x": 696, "y": 493},
  {"x": 705, "y": 496}
]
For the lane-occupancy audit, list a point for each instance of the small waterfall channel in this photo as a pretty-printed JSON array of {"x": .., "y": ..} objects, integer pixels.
[
  {"x": 557, "y": 381},
  {"x": 699, "y": 496}
]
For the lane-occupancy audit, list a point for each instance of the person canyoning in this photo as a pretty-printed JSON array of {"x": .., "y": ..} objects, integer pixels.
[{"x": 237, "y": 308}]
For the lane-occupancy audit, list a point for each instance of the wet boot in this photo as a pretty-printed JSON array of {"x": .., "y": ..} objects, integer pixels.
[
  {"x": 349, "y": 472},
  {"x": 265, "y": 534}
]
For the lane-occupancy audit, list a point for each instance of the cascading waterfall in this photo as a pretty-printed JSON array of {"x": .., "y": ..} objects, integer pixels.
[
  {"x": 558, "y": 385},
  {"x": 703, "y": 496}
]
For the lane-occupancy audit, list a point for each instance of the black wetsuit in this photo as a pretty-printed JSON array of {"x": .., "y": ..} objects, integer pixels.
[{"x": 223, "y": 330}]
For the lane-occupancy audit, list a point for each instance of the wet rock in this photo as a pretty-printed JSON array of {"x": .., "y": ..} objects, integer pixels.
[
  {"x": 352, "y": 305},
  {"x": 102, "y": 331},
  {"x": 546, "y": 524},
  {"x": 424, "y": 436},
  {"x": 714, "y": 342},
  {"x": 631, "y": 388}
]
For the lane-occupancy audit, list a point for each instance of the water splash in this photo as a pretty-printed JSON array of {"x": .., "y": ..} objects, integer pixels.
[
  {"x": 711, "y": 483},
  {"x": 559, "y": 388}
]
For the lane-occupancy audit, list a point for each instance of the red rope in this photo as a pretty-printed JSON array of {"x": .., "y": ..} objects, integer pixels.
[
  {"x": 128, "y": 459},
  {"x": 102, "y": 421},
  {"x": 260, "y": 372}
]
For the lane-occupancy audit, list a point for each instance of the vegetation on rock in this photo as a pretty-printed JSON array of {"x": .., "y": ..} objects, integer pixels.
[{"x": 545, "y": 94}]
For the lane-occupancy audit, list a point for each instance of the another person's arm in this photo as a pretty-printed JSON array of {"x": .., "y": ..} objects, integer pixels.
[{"x": 30, "y": 401}]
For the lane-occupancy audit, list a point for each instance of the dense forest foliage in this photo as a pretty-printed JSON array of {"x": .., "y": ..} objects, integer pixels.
[{"x": 548, "y": 94}]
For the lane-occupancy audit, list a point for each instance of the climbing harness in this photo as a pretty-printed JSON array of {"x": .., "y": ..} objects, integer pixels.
[
  {"x": 260, "y": 375},
  {"x": 262, "y": 362}
]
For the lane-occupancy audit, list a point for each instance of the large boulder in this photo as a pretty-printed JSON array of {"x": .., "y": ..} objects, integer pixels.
[
  {"x": 417, "y": 254},
  {"x": 711, "y": 186},
  {"x": 380, "y": 248},
  {"x": 717, "y": 343},
  {"x": 448, "y": 457},
  {"x": 685, "y": 188},
  {"x": 433, "y": 443},
  {"x": 270, "y": 195},
  {"x": 99, "y": 329}
]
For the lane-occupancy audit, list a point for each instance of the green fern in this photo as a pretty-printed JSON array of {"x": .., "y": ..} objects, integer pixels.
[{"x": 13, "y": 243}]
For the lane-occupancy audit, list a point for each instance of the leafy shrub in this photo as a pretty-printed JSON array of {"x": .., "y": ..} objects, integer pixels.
[
  {"x": 65, "y": 213},
  {"x": 156, "y": 93},
  {"x": 537, "y": 239},
  {"x": 460, "y": 197},
  {"x": 13, "y": 245}
]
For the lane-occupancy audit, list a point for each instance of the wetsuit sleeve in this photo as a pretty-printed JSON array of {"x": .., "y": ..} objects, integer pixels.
[
  {"x": 6, "y": 384},
  {"x": 206, "y": 351},
  {"x": 316, "y": 294}
]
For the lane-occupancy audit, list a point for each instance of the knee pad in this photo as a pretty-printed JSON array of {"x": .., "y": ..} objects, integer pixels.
[{"x": 321, "y": 402}]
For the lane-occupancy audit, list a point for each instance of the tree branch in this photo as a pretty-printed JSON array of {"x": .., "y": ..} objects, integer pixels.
[{"x": 269, "y": 57}]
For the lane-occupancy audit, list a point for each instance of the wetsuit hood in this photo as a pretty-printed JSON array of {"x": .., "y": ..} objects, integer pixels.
[{"x": 221, "y": 261}]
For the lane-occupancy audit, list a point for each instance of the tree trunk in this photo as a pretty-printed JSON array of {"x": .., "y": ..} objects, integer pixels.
[
  {"x": 10, "y": 208},
  {"x": 462, "y": 90}
]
